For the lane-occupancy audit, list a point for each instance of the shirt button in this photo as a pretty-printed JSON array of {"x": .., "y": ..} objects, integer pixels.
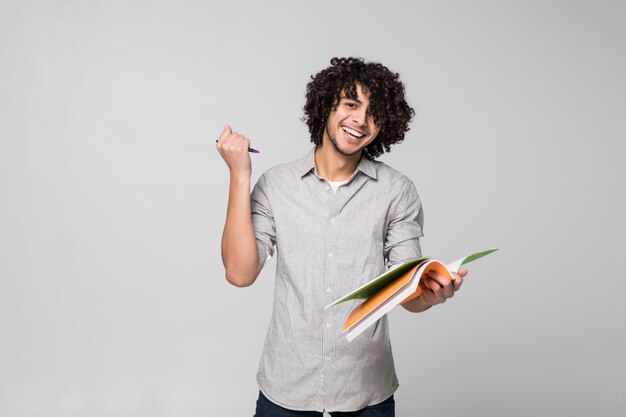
[
  {"x": 328, "y": 325},
  {"x": 327, "y": 187},
  {"x": 330, "y": 254},
  {"x": 332, "y": 221},
  {"x": 328, "y": 290},
  {"x": 327, "y": 358}
]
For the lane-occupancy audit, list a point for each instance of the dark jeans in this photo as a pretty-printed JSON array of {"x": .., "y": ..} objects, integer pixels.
[{"x": 266, "y": 408}]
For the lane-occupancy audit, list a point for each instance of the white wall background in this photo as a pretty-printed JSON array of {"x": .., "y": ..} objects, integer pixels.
[{"x": 112, "y": 295}]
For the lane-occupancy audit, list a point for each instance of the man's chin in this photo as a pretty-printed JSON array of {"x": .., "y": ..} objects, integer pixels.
[{"x": 344, "y": 151}]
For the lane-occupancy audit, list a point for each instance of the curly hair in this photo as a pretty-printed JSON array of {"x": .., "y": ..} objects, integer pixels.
[{"x": 387, "y": 105}]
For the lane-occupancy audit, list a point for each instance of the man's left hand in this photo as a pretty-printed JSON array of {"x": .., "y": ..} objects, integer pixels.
[{"x": 437, "y": 288}]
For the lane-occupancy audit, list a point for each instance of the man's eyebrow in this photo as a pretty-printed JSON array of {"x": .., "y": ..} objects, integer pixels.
[{"x": 348, "y": 98}]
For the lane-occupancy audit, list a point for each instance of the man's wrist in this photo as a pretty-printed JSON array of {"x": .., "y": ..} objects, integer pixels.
[
  {"x": 239, "y": 177},
  {"x": 416, "y": 305}
]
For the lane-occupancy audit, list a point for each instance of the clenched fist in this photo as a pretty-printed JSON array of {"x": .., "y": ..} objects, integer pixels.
[{"x": 233, "y": 147}]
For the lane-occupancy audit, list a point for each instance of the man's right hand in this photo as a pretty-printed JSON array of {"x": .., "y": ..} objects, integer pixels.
[
  {"x": 239, "y": 250},
  {"x": 234, "y": 149}
]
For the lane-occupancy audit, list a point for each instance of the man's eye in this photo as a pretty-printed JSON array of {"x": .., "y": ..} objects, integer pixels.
[{"x": 351, "y": 105}]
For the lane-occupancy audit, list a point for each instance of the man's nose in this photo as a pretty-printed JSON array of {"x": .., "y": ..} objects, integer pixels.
[{"x": 359, "y": 116}]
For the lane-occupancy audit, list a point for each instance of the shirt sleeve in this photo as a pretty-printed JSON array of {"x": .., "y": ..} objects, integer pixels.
[
  {"x": 262, "y": 221},
  {"x": 404, "y": 228}
]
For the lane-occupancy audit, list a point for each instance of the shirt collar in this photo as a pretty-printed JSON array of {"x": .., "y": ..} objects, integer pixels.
[{"x": 366, "y": 166}]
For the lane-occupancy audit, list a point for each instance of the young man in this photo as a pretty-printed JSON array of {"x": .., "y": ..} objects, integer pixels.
[{"x": 337, "y": 218}]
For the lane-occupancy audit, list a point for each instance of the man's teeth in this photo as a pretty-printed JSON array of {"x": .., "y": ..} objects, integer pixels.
[{"x": 353, "y": 132}]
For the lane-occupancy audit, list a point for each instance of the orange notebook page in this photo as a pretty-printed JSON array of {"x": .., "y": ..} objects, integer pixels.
[{"x": 371, "y": 303}]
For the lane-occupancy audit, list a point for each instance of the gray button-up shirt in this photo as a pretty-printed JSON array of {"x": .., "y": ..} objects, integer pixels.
[{"x": 328, "y": 244}]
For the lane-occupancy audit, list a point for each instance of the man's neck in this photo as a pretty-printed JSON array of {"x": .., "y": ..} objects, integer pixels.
[{"x": 334, "y": 166}]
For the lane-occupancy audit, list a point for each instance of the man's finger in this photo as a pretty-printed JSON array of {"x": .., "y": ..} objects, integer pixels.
[
  {"x": 458, "y": 280},
  {"x": 227, "y": 131},
  {"x": 431, "y": 284},
  {"x": 442, "y": 280}
]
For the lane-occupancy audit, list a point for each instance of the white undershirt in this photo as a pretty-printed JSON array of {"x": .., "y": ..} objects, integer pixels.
[{"x": 335, "y": 184}]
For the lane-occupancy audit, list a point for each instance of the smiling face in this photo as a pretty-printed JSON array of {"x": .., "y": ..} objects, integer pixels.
[{"x": 349, "y": 128}]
